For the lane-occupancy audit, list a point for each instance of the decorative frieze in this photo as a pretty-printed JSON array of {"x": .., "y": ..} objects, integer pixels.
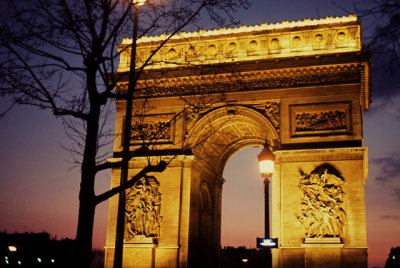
[
  {"x": 322, "y": 211},
  {"x": 260, "y": 80}
]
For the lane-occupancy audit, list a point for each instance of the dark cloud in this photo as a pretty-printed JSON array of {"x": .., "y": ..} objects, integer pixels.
[
  {"x": 390, "y": 217},
  {"x": 389, "y": 167},
  {"x": 381, "y": 36},
  {"x": 385, "y": 80},
  {"x": 396, "y": 192},
  {"x": 385, "y": 86}
]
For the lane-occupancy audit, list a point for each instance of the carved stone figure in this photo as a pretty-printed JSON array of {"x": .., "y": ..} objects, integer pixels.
[
  {"x": 272, "y": 111},
  {"x": 192, "y": 114},
  {"x": 142, "y": 215},
  {"x": 322, "y": 213}
]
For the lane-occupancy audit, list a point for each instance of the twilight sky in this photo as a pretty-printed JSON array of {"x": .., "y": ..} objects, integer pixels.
[{"x": 39, "y": 190}]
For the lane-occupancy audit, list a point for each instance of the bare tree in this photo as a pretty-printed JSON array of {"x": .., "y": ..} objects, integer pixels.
[
  {"x": 396, "y": 192},
  {"x": 384, "y": 16},
  {"x": 61, "y": 55}
]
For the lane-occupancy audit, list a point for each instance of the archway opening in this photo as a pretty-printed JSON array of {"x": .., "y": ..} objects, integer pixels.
[
  {"x": 221, "y": 134},
  {"x": 242, "y": 200}
]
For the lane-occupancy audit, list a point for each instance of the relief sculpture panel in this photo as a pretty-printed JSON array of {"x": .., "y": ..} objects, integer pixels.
[
  {"x": 322, "y": 214},
  {"x": 142, "y": 215},
  {"x": 153, "y": 128},
  {"x": 329, "y": 120},
  {"x": 150, "y": 131},
  {"x": 317, "y": 119}
]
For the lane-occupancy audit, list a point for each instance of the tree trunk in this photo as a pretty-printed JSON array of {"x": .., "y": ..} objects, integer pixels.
[
  {"x": 87, "y": 205},
  {"x": 84, "y": 233}
]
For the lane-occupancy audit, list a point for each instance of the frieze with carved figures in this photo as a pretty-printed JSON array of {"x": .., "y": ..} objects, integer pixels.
[
  {"x": 327, "y": 118},
  {"x": 144, "y": 131},
  {"x": 244, "y": 83}
]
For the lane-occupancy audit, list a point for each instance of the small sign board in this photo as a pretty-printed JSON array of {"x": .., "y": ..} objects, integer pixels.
[{"x": 267, "y": 242}]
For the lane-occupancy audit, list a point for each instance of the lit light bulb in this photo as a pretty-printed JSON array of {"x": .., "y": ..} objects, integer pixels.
[{"x": 139, "y": 2}]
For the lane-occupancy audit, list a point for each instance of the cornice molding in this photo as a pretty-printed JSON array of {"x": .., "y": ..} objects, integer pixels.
[{"x": 253, "y": 80}]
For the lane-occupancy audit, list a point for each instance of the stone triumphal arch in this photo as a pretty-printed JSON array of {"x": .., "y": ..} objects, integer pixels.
[{"x": 303, "y": 86}]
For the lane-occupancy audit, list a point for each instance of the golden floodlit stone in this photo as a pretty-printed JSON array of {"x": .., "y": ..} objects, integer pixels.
[{"x": 302, "y": 86}]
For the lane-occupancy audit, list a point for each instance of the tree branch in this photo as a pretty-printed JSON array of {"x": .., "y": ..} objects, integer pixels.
[{"x": 160, "y": 167}]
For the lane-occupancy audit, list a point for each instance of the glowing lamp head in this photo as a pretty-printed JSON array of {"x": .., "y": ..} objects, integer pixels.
[
  {"x": 12, "y": 248},
  {"x": 266, "y": 161},
  {"x": 139, "y": 2}
]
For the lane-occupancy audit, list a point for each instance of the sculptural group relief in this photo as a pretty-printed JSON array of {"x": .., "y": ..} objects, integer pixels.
[
  {"x": 154, "y": 128},
  {"x": 143, "y": 203},
  {"x": 322, "y": 212},
  {"x": 156, "y": 131},
  {"x": 327, "y": 118}
]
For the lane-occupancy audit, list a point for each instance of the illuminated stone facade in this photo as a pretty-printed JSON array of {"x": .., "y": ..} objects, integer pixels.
[{"x": 303, "y": 86}]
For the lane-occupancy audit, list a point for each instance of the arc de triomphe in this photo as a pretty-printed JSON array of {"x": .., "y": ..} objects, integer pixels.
[{"x": 303, "y": 86}]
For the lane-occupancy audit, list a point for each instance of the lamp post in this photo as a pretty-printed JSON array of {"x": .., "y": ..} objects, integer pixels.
[
  {"x": 120, "y": 229},
  {"x": 266, "y": 164}
]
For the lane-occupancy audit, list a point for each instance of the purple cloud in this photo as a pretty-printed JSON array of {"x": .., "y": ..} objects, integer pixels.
[
  {"x": 390, "y": 217},
  {"x": 389, "y": 166},
  {"x": 385, "y": 82}
]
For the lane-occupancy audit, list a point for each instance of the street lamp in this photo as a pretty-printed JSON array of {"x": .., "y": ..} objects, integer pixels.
[
  {"x": 266, "y": 160},
  {"x": 139, "y": 2},
  {"x": 126, "y": 137},
  {"x": 12, "y": 248}
]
